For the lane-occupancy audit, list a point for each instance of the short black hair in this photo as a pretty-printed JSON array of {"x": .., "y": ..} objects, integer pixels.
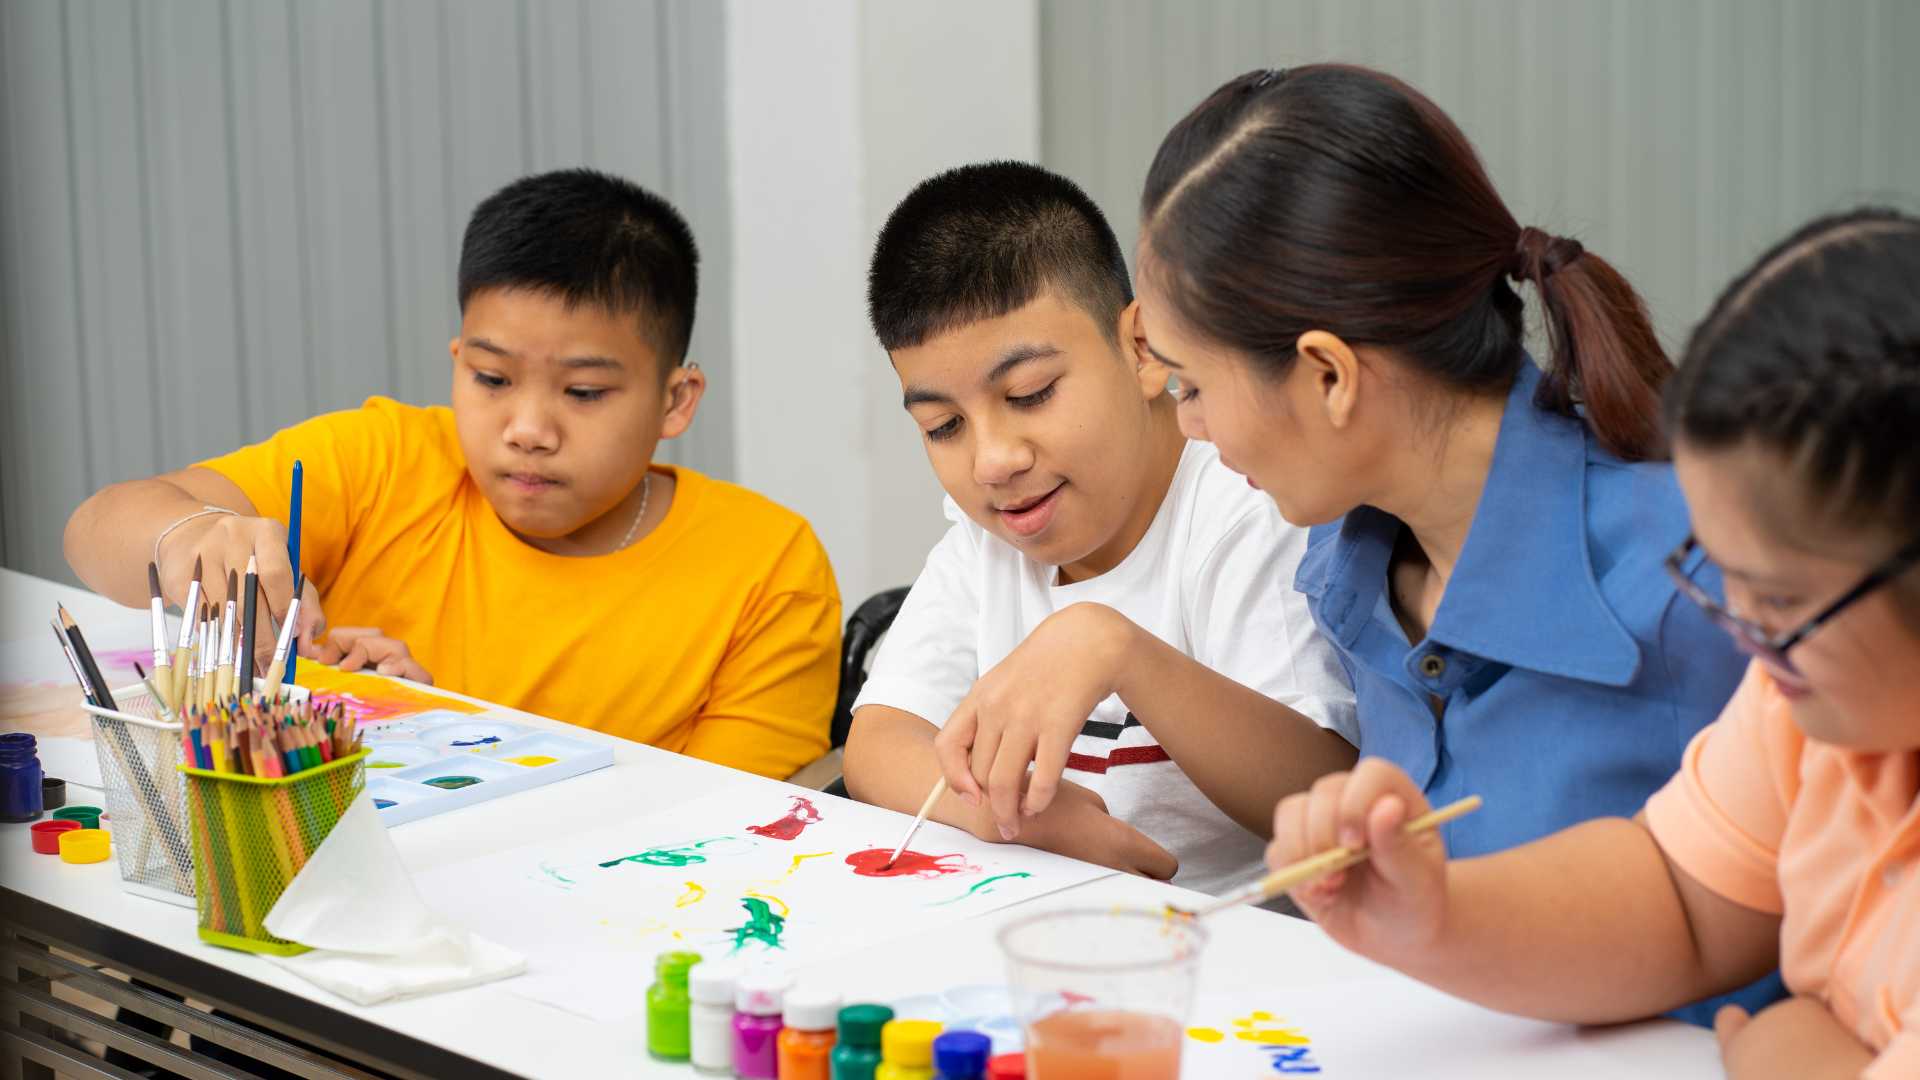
[
  {"x": 979, "y": 241},
  {"x": 1814, "y": 353},
  {"x": 586, "y": 236}
]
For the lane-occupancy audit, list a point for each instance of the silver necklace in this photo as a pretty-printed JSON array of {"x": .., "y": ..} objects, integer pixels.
[{"x": 646, "y": 489}]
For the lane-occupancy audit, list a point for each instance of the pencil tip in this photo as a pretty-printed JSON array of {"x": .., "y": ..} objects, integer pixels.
[
  {"x": 65, "y": 619},
  {"x": 253, "y": 566}
]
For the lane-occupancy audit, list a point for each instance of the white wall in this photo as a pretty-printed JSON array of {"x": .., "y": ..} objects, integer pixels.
[{"x": 836, "y": 109}]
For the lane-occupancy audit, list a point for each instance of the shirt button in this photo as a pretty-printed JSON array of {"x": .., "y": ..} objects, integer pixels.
[{"x": 1433, "y": 665}]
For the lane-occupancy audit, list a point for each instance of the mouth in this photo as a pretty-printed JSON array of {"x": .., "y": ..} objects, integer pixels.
[
  {"x": 1028, "y": 517},
  {"x": 1790, "y": 688},
  {"x": 531, "y": 483}
]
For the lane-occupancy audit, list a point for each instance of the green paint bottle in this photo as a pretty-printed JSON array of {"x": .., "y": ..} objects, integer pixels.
[
  {"x": 668, "y": 1037},
  {"x": 857, "y": 1054}
]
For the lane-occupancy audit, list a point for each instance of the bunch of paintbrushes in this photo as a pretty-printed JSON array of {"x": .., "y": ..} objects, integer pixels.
[
  {"x": 211, "y": 660},
  {"x": 266, "y": 738}
]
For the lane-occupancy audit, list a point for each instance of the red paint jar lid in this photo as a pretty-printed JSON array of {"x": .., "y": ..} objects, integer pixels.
[
  {"x": 46, "y": 834},
  {"x": 1007, "y": 1067}
]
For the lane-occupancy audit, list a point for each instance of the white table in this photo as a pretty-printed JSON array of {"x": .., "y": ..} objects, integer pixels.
[{"x": 488, "y": 1031}]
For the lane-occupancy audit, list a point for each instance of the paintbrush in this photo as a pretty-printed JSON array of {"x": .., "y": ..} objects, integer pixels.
[
  {"x": 1296, "y": 874},
  {"x": 919, "y": 819},
  {"x": 153, "y": 691},
  {"x": 162, "y": 657},
  {"x": 187, "y": 612},
  {"x": 223, "y": 677},
  {"x": 101, "y": 696},
  {"x": 249, "y": 601},
  {"x": 294, "y": 500},
  {"x": 281, "y": 647}
]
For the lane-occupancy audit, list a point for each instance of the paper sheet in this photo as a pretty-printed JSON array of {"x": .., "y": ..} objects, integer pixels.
[{"x": 766, "y": 877}]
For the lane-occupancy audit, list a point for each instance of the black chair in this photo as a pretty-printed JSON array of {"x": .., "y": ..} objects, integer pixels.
[{"x": 864, "y": 630}]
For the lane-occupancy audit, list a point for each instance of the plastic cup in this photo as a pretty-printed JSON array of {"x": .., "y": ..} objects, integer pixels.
[{"x": 1126, "y": 979}]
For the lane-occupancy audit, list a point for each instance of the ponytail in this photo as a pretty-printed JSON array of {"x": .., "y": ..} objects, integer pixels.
[
  {"x": 1339, "y": 198},
  {"x": 1604, "y": 355}
]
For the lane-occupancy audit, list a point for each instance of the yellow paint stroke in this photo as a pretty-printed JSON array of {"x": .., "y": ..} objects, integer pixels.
[
  {"x": 784, "y": 909},
  {"x": 1206, "y": 1035},
  {"x": 1251, "y": 1031},
  {"x": 694, "y": 894}
]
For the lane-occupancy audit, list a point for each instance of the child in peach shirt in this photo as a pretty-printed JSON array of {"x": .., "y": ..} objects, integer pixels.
[{"x": 1791, "y": 835}]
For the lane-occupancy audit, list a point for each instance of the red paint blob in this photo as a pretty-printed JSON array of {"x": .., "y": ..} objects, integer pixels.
[
  {"x": 873, "y": 863},
  {"x": 802, "y": 815}
]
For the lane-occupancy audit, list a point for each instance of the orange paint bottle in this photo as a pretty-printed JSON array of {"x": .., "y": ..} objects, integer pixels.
[{"x": 806, "y": 1042}]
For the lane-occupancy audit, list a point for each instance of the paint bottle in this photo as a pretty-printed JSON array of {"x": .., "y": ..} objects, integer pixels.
[
  {"x": 710, "y": 1017},
  {"x": 858, "y": 1053},
  {"x": 961, "y": 1055},
  {"x": 806, "y": 1043},
  {"x": 906, "y": 1050},
  {"x": 668, "y": 1006},
  {"x": 756, "y": 1025},
  {"x": 1007, "y": 1067},
  {"x": 20, "y": 777}
]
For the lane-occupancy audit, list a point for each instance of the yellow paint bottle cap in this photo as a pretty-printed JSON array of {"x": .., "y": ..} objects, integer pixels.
[
  {"x": 908, "y": 1042},
  {"x": 85, "y": 846}
]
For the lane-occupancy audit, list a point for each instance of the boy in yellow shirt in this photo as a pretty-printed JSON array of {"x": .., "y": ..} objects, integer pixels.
[{"x": 522, "y": 546}]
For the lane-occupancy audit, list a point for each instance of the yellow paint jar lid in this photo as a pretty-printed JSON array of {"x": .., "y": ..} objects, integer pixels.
[{"x": 85, "y": 846}]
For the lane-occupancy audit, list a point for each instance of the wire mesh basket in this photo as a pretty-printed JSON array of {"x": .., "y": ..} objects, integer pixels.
[
  {"x": 139, "y": 754},
  {"x": 252, "y": 834}
]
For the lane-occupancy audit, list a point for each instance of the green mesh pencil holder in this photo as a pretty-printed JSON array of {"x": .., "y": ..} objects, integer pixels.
[{"x": 251, "y": 835}]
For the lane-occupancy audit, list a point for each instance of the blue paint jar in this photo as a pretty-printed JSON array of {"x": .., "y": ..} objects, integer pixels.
[{"x": 20, "y": 777}]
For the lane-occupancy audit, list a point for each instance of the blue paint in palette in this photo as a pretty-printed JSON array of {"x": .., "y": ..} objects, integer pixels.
[{"x": 382, "y": 804}]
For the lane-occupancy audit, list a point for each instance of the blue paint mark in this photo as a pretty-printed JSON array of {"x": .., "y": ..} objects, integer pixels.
[
  {"x": 382, "y": 804},
  {"x": 1292, "y": 1060},
  {"x": 489, "y": 740}
]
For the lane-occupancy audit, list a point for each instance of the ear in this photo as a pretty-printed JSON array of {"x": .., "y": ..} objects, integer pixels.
[
  {"x": 453, "y": 348},
  {"x": 1333, "y": 371},
  {"x": 686, "y": 385},
  {"x": 1147, "y": 367}
]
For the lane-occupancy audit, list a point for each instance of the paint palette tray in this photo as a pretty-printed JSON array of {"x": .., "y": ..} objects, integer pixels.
[{"x": 435, "y": 762}]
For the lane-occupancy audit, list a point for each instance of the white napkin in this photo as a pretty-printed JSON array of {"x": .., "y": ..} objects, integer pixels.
[{"x": 373, "y": 937}]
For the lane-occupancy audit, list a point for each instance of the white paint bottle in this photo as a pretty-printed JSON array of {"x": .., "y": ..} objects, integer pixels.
[{"x": 710, "y": 987}]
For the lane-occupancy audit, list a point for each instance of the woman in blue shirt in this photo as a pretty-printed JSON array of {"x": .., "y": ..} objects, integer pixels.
[{"x": 1325, "y": 266}]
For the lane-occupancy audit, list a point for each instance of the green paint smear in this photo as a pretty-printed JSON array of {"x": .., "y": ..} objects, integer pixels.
[
  {"x": 981, "y": 887},
  {"x": 762, "y": 925},
  {"x": 672, "y": 856}
]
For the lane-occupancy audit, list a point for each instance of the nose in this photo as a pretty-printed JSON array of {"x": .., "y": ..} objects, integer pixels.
[
  {"x": 999, "y": 454},
  {"x": 530, "y": 428}
]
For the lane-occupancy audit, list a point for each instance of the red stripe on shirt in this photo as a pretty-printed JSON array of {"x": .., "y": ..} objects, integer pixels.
[{"x": 1125, "y": 755}]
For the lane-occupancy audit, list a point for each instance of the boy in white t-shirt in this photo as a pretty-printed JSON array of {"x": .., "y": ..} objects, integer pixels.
[{"x": 1092, "y": 546}]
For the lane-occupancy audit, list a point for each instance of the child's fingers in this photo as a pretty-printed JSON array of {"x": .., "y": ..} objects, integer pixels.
[
  {"x": 275, "y": 572},
  {"x": 1727, "y": 1024},
  {"x": 1372, "y": 780},
  {"x": 1289, "y": 819},
  {"x": 1049, "y": 763},
  {"x": 951, "y": 749},
  {"x": 1006, "y": 779},
  {"x": 1322, "y": 825}
]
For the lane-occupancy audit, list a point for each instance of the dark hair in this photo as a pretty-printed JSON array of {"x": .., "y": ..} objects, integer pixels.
[
  {"x": 588, "y": 237},
  {"x": 1339, "y": 198},
  {"x": 979, "y": 241},
  {"x": 1814, "y": 353}
]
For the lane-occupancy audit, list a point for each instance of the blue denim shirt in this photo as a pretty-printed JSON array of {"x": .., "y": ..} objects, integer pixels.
[{"x": 1572, "y": 671}]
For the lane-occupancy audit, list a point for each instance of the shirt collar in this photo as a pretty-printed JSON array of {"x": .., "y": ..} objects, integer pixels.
[{"x": 1523, "y": 593}]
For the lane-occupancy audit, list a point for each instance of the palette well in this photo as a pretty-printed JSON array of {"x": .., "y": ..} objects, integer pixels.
[{"x": 431, "y": 765}]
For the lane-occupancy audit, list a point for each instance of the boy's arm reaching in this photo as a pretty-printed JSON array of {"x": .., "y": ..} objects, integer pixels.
[
  {"x": 1590, "y": 925},
  {"x": 1242, "y": 749},
  {"x": 110, "y": 539},
  {"x": 890, "y": 762}
]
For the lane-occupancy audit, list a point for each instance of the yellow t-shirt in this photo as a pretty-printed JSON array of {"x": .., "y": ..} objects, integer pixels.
[{"x": 717, "y": 635}]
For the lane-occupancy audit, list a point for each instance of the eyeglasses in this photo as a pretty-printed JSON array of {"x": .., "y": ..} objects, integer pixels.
[{"x": 1754, "y": 638}]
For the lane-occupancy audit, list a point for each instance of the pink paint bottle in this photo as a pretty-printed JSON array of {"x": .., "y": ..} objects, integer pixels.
[{"x": 757, "y": 1002}]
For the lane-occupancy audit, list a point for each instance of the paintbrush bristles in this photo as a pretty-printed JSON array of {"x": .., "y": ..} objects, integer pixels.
[{"x": 153, "y": 579}]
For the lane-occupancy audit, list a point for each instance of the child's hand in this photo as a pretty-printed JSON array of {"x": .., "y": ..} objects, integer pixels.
[
  {"x": 352, "y": 648},
  {"x": 223, "y": 543},
  {"x": 1393, "y": 903},
  {"x": 1798, "y": 1037},
  {"x": 1028, "y": 709},
  {"x": 1079, "y": 826}
]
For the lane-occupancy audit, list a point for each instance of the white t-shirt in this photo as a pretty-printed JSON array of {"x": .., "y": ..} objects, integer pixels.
[{"x": 1212, "y": 577}]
